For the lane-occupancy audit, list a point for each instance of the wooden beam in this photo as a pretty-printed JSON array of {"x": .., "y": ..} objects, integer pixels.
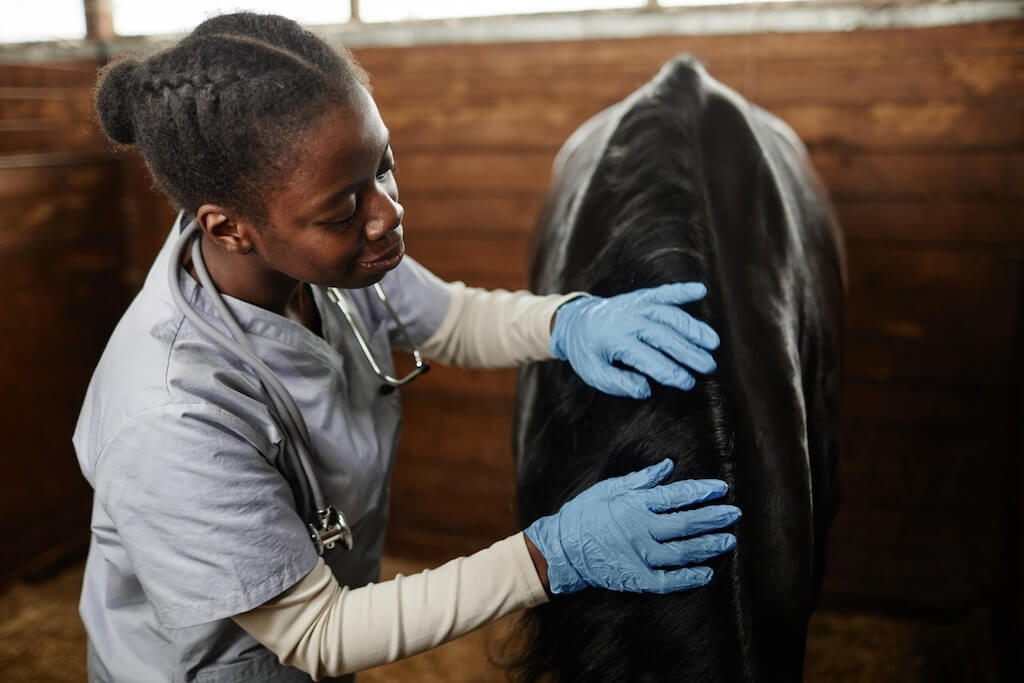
[{"x": 99, "y": 20}]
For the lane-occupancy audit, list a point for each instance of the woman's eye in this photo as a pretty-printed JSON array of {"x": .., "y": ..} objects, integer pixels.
[
  {"x": 343, "y": 222},
  {"x": 382, "y": 176}
]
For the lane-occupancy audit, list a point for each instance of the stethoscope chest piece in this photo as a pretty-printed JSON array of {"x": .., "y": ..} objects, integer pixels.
[{"x": 330, "y": 529}]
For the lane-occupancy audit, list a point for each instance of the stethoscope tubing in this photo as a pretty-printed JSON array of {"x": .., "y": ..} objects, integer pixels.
[
  {"x": 286, "y": 412},
  {"x": 284, "y": 400}
]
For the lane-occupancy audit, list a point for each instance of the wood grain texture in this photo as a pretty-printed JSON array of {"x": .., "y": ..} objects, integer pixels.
[
  {"x": 48, "y": 108},
  {"x": 60, "y": 260}
]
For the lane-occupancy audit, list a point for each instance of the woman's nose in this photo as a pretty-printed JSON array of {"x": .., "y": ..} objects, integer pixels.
[{"x": 387, "y": 215}]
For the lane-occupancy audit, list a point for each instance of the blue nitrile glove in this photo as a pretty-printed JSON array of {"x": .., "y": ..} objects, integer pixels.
[
  {"x": 619, "y": 533},
  {"x": 645, "y": 330}
]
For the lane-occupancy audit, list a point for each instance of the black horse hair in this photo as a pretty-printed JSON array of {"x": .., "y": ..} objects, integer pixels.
[{"x": 646, "y": 225}]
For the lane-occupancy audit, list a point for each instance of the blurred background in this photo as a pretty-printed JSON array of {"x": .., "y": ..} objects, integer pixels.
[{"x": 913, "y": 113}]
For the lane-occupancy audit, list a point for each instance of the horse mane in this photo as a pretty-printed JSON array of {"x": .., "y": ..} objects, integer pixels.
[{"x": 640, "y": 220}]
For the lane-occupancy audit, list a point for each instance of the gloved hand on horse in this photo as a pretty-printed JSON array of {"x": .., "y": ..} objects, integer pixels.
[
  {"x": 646, "y": 331},
  {"x": 628, "y": 534}
]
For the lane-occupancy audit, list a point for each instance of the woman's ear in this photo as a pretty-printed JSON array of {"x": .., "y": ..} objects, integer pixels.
[{"x": 224, "y": 229}]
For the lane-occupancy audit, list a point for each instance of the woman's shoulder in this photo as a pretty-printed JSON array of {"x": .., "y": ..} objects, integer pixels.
[{"x": 158, "y": 377}]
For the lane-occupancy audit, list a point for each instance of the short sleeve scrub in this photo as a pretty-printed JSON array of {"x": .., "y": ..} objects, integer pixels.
[{"x": 192, "y": 521}]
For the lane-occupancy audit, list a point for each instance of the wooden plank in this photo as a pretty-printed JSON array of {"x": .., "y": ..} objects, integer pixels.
[
  {"x": 148, "y": 218},
  {"x": 80, "y": 72},
  {"x": 499, "y": 263},
  {"x": 926, "y": 465},
  {"x": 45, "y": 174},
  {"x": 915, "y": 480},
  {"x": 444, "y": 381},
  {"x": 930, "y": 125},
  {"x": 468, "y": 173},
  {"x": 439, "y": 497},
  {"x": 509, "y": 125},
  {"x": 849, "y": 174},
  {"x": 43, "y": 207},
  {"x": 408, "y": 540},
  {"x": 969, "y": 39},
  {"x": 432, "y": 495},
  {"x": 863, "y": 79},
  {"x": 899, "y": 175},
  {"x": 48, "y": 108},
  {"x": 935, "y": 294},
  {"x": 451, "y": 460},
  {"x": 933, "y": 222},
  {"x": 902, "y": 502},
  {"x": 892, "y": 271},
  {"x": 438, "y": 428},
  {"x": 922, "y": 317},
  {"x": 903, "y": 571},
  {"x": 481, "y": 215},
  {"x": 79, "y": 137},
  {"x": 941, "y": 406},
  {"x": 59, "y": 259},
  {"x": 962, "y": 361},
  {"x": 839, "y": 81},
  {"x": 41, "y": 223},
  {"x": 61, "y": 105},
  {"x": 528, "y": 123},
  {"x": 937, "y": 220}
]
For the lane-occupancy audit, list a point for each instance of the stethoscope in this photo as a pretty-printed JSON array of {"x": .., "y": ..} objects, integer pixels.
[{"x": 327, "y": 526}]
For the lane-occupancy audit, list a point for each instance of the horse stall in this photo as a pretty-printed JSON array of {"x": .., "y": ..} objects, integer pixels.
[{"x": 912, "y": 115}]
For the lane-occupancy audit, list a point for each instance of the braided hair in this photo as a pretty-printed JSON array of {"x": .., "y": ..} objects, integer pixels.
[{"x": 217, "y": 116}]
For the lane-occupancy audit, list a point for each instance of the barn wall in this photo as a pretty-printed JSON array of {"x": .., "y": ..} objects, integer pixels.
[
  {"x": 919, "y": 134},
  {"x": 61, "y": 240}
]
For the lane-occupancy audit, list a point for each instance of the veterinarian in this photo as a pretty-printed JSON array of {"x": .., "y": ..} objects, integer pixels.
[{"x": 240, "y": 428}]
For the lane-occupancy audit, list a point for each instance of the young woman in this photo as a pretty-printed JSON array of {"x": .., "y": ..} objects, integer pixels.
[{"x": 202, "y": 566}]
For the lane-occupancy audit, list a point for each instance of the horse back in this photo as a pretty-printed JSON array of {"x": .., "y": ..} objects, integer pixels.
[{"x": 685, "y": 180}]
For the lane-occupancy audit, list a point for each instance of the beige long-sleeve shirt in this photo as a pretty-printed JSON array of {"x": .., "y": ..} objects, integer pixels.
[{"x": 328, "y": 630}]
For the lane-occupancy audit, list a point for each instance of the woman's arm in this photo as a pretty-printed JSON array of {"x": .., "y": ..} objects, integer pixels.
[
  {"x": 624, "y": 533},
  {"x": 494, "y": 329},
  {"x": 328, "y": 630}
]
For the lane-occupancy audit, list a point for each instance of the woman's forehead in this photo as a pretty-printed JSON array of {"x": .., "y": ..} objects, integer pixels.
[{"x": 344, "y": 147}]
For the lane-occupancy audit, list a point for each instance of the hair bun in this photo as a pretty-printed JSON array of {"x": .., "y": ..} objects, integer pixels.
[{"x": 114, "y": 101}]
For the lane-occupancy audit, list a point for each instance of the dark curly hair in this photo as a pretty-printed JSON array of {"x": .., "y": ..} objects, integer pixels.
[{"x": 217, "y": 116}]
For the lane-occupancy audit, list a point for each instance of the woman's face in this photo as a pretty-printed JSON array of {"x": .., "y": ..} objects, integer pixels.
[{"x": 337, "y": 221}]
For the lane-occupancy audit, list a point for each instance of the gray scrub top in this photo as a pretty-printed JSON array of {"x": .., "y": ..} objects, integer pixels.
[{"x": 192, "y": 522}]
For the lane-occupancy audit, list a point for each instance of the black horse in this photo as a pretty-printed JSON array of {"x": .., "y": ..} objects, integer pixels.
[{"x": 685, "y": 180}]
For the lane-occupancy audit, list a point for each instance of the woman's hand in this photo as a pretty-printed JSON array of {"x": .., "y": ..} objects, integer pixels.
[
  {"x": 621, "y": 534},
  {"x": 644, "y": 330}
]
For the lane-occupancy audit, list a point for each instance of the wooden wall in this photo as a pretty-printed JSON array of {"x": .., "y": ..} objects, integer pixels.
[
  {"x": 919, "y": 135},
  {"x": 61, "y": 225}
]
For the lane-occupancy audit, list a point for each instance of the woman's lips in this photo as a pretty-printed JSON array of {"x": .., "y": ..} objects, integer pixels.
[{"x": 386, "y": 261}]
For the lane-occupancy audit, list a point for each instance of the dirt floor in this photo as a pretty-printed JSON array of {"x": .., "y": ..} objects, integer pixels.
[{"x": 41, "y": 640}]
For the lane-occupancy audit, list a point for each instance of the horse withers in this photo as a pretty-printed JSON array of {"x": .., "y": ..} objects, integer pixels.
[{"x": 685, "y": 180}]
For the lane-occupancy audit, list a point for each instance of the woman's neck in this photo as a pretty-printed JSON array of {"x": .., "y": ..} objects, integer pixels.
[{"x": 246, "y": 278}]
